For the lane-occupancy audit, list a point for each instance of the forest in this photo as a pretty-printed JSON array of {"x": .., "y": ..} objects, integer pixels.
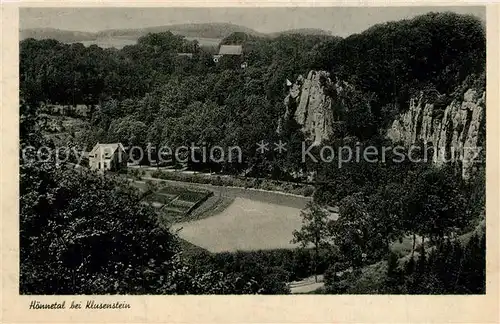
[{"x": 85, "y": 234}]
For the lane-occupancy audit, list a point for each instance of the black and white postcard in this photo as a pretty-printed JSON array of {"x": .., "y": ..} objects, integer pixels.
[{"x": 180, "y": 164}]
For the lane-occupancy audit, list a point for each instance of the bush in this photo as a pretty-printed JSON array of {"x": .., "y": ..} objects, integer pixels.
[
  {"x": 135, "y": 173},
  {"x": 308, "y": 191},
  {"x": 256, "y": 183},
  {"x": 293, "y": 265}
]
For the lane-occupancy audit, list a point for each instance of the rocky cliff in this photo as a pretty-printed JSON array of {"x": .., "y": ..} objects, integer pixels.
[
  {"x": 453, "y": 128},
  {"x": 311, "y": 107},
  {"x": 456, "y": 132}
]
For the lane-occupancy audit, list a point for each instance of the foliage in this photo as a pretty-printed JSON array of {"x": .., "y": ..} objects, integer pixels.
[
  {"x": 315, "y": 230},
  {"x": 451, "y": 268},
  {"x": 396, "y": 59},
  {"x": 85, "y": 233},
  {"x": 434, "y": 206},
  {"x": 381, "y": 203},
  {"x": 242, "y": 182},
  {"x": 147, "y": 94},
  {"x": 271, "y": 270}
]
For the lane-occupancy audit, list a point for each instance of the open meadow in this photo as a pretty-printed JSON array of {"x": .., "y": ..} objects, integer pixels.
[{"x": 244, "y": 225}]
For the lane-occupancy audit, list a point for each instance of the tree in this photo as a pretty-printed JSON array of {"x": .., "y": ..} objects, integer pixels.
[
  {"x": 352, "y": 230},
  {"x": 394, "y": 276},
  {"x": 434, "y": 204},
  {"x": 81, "y": 234},
  {"x": 385, "y": 207},
  {"x": 315, "y": 230},
  {"x": 453, "y": 267}
]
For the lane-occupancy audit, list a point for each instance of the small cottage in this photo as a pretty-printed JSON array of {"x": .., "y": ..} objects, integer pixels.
[
  {"x": 235, "y": 52},
  {"x": 230, "y": 50},
  {"x": 110, "y": 156}
]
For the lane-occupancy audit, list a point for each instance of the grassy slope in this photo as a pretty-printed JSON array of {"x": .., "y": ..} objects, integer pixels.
[
  {"x": 181, "y": 199},
  {"x": 372, "y": 276},
  {"x": 213, "y": 206},
  {"x": 190, "y": 250}
]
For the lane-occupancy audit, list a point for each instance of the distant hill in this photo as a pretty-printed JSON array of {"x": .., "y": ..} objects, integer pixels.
[
  {"x": 205, "y": 30},
  {"x": 208, "y": 30},
  {"x": 65, "y": 36},
  {"x": 302, "y": 31}
]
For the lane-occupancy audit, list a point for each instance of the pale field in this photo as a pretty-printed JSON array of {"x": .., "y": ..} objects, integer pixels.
[
  {"x": 244, "y": 225},
  {"x": 110, "y": 42}
]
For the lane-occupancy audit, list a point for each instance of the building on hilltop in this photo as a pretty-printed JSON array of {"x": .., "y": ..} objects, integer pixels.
[
  {"x": 110, "y": 156},
  {"x": 231, "y": 53},
  {"x": 231, "y": 50}
]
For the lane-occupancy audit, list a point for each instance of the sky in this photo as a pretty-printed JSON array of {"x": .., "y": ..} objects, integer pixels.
[{"x": 340, "y": 21}]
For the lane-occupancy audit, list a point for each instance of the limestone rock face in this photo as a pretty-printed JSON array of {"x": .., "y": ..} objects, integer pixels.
[
  {"x": 454, "y": 133},
  {"x": 455, "y": 130},
  {"x": 311, "y": 108}
]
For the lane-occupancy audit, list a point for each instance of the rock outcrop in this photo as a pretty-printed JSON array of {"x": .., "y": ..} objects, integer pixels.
[
  {"x": 455, "y": 129},
  {"x": 310, "y": 106},
  {"x": 456, "y": 134}
]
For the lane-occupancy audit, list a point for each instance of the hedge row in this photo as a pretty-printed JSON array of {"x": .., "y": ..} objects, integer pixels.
[{"x": 255, "y": 183}]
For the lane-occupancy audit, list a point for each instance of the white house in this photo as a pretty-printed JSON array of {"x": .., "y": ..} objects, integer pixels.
[
  {"x": 110, "y": 156},
  {"x": 231, "y": 50}
]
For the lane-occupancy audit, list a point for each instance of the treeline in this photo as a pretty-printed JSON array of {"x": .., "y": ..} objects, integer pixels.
[
  {"x": 147, "y": 93},
  {"x": 57, "y": 73},
  {"x": 390, "y": 60},
  {"x": 383, "y": 204},
  {"x": 85, "y": 233},
  {"x": 454, "y": 267},
  {"x": 395, "y": 60}
]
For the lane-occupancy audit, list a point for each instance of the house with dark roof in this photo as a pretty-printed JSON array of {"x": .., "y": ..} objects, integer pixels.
[{"x": 111, "y": 156}]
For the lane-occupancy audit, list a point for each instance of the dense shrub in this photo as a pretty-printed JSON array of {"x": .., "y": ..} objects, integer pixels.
[
  {"x": 450, "y": 268},
  {"x": 230, "y": 181},
  {"x": 262, "y": 265}
]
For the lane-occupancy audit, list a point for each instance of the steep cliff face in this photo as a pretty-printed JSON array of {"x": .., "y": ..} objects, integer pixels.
[
  {"x": 311, "y": 107},
  {"x": 456, "y": 134},
  {"x": 454, "y": 129}
]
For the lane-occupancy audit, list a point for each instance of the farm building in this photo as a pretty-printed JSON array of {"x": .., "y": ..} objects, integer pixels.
[
  {"x": 233, "y": 53},
  {"x": 231, "y": 50},
  {"x": 108, "y": 157}
]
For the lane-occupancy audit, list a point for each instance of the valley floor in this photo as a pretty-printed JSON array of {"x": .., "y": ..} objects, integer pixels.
[
  {"x": 239, "y": 219},
  {"x": 244, "y": 225}
]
